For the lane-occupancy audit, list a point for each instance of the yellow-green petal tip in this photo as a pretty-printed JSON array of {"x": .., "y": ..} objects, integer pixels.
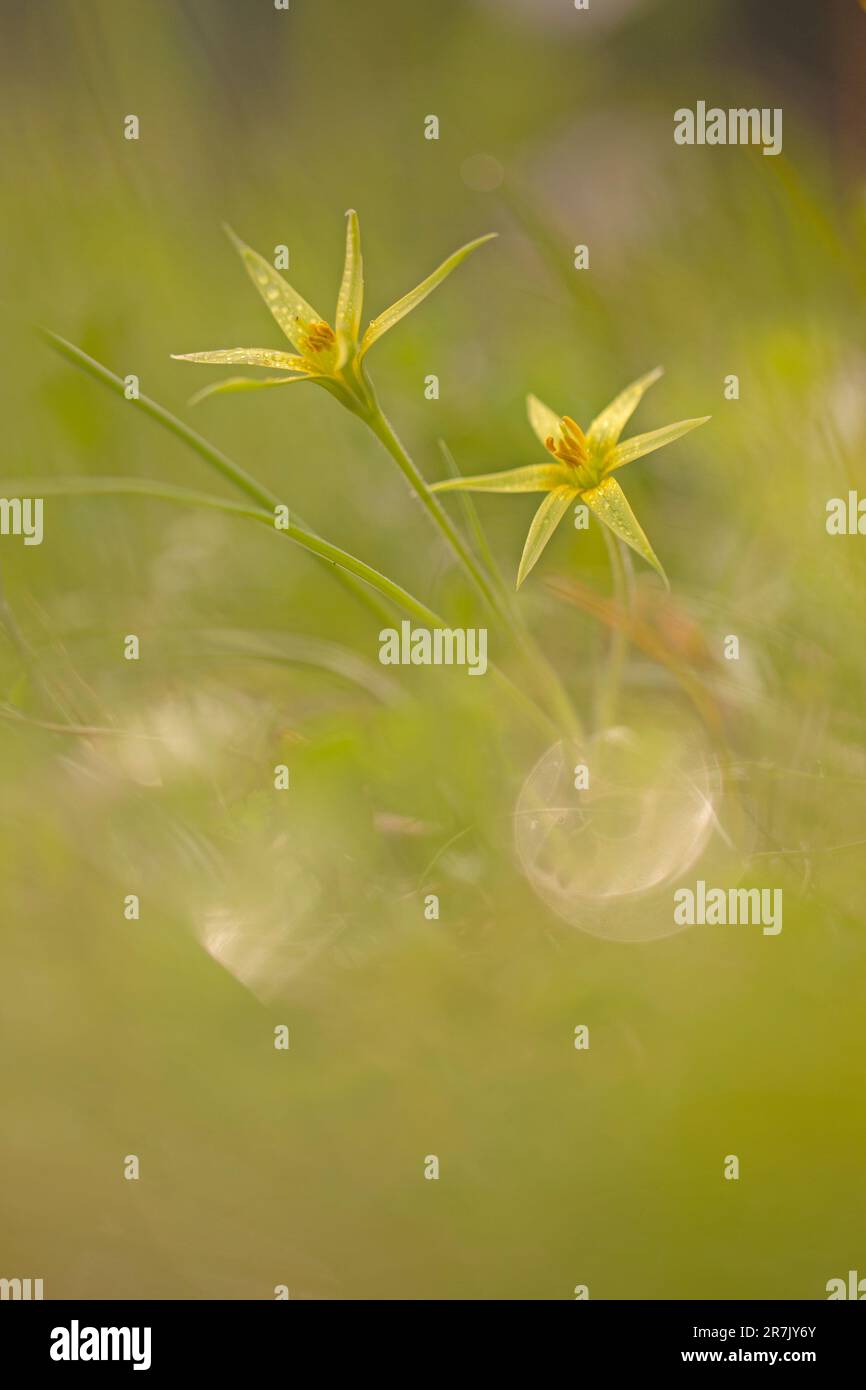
[{"x": 233, "y": 237}]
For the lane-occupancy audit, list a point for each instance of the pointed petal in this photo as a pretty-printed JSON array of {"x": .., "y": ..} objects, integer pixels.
[
  {"x": 544, "y": 523},
  {"x": 247, "y": 383},
  {"x": 249, "y": 357},
  {"x": 608, "y": 502},
  {"x": 294, "y": 315},
  {"x": 536, "y": 477},
  {"x": 607, "y": 427},
  {"x": 544, "y": 421},
  {"x": 641, "y": 444},
  {"x": 411, "y": 300},
  {"x": 351, "y": 297}
]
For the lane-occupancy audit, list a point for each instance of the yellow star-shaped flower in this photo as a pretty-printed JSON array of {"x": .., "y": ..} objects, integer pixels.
[
  {"x": 582, "y": 471},
  {"x": 331, "y": 356}
]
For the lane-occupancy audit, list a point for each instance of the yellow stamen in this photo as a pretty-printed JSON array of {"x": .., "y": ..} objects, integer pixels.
[
  {"x": 571, "y": 446},
  {"x": 573, "y": 428},
  {"x": 319, "y": 337}
]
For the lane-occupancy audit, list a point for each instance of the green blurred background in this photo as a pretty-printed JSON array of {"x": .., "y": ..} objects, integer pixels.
[{"x": 410, "y": 1037}]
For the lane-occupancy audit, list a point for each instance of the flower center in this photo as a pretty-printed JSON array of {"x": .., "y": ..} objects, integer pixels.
[
  {"x": 319, "y": 337},
  {"x": 571, "y": 448}
]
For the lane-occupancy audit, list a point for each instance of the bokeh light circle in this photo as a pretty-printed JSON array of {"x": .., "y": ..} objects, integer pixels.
[{"x": 607, "y": 857}]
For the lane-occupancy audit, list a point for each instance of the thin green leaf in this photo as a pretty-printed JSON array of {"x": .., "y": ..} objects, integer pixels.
[
  {"x": 535, "y": 477},
  {"x": 607, "y": 427},
  {"x": 342, "y": 561},
  {"x": 411, "y": 300},
  {"x": 215, "y": 457},
  {"x": 207, "y": 451},
  {"x": 295, "y": 531},
  {"x": 294, "y": 315},
  {"x": 544, "y": 523},
  {"x": 247, "y": 357},
  {"x": 641, "y": 444},
  {"x": 544, "y": 421},
  {"x": 362, "y": 579},
  {"x": 351, "y": 297},
  {"x": 247, "y": 383},
  {"x": 608, "y": 502}
]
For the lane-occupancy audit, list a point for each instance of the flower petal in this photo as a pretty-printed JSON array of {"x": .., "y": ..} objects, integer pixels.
[
  {"x": 411, "y": 300},
  {"x": 294, "y": 315},
  {"x": 607, "y": 427},
  {"x": 249, "y": 357},
  {"x": 608, "y": 502},
  {"x": 544, "y": 421},
  {"x": 351, "y": 297},
  {"x": 536, "y": 477},
  {"x": 641, "y": 444},
  {"x": 544, "y": 523},
  {"x": 247, "y": 383}
]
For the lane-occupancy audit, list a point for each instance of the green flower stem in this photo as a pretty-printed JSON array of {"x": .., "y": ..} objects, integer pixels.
[
  {"x": 385, "y": 433},
  {"x": 499, "y": 602},
  {"x": 309, "y": 540},
  {"x": 611, "y": 681}
]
